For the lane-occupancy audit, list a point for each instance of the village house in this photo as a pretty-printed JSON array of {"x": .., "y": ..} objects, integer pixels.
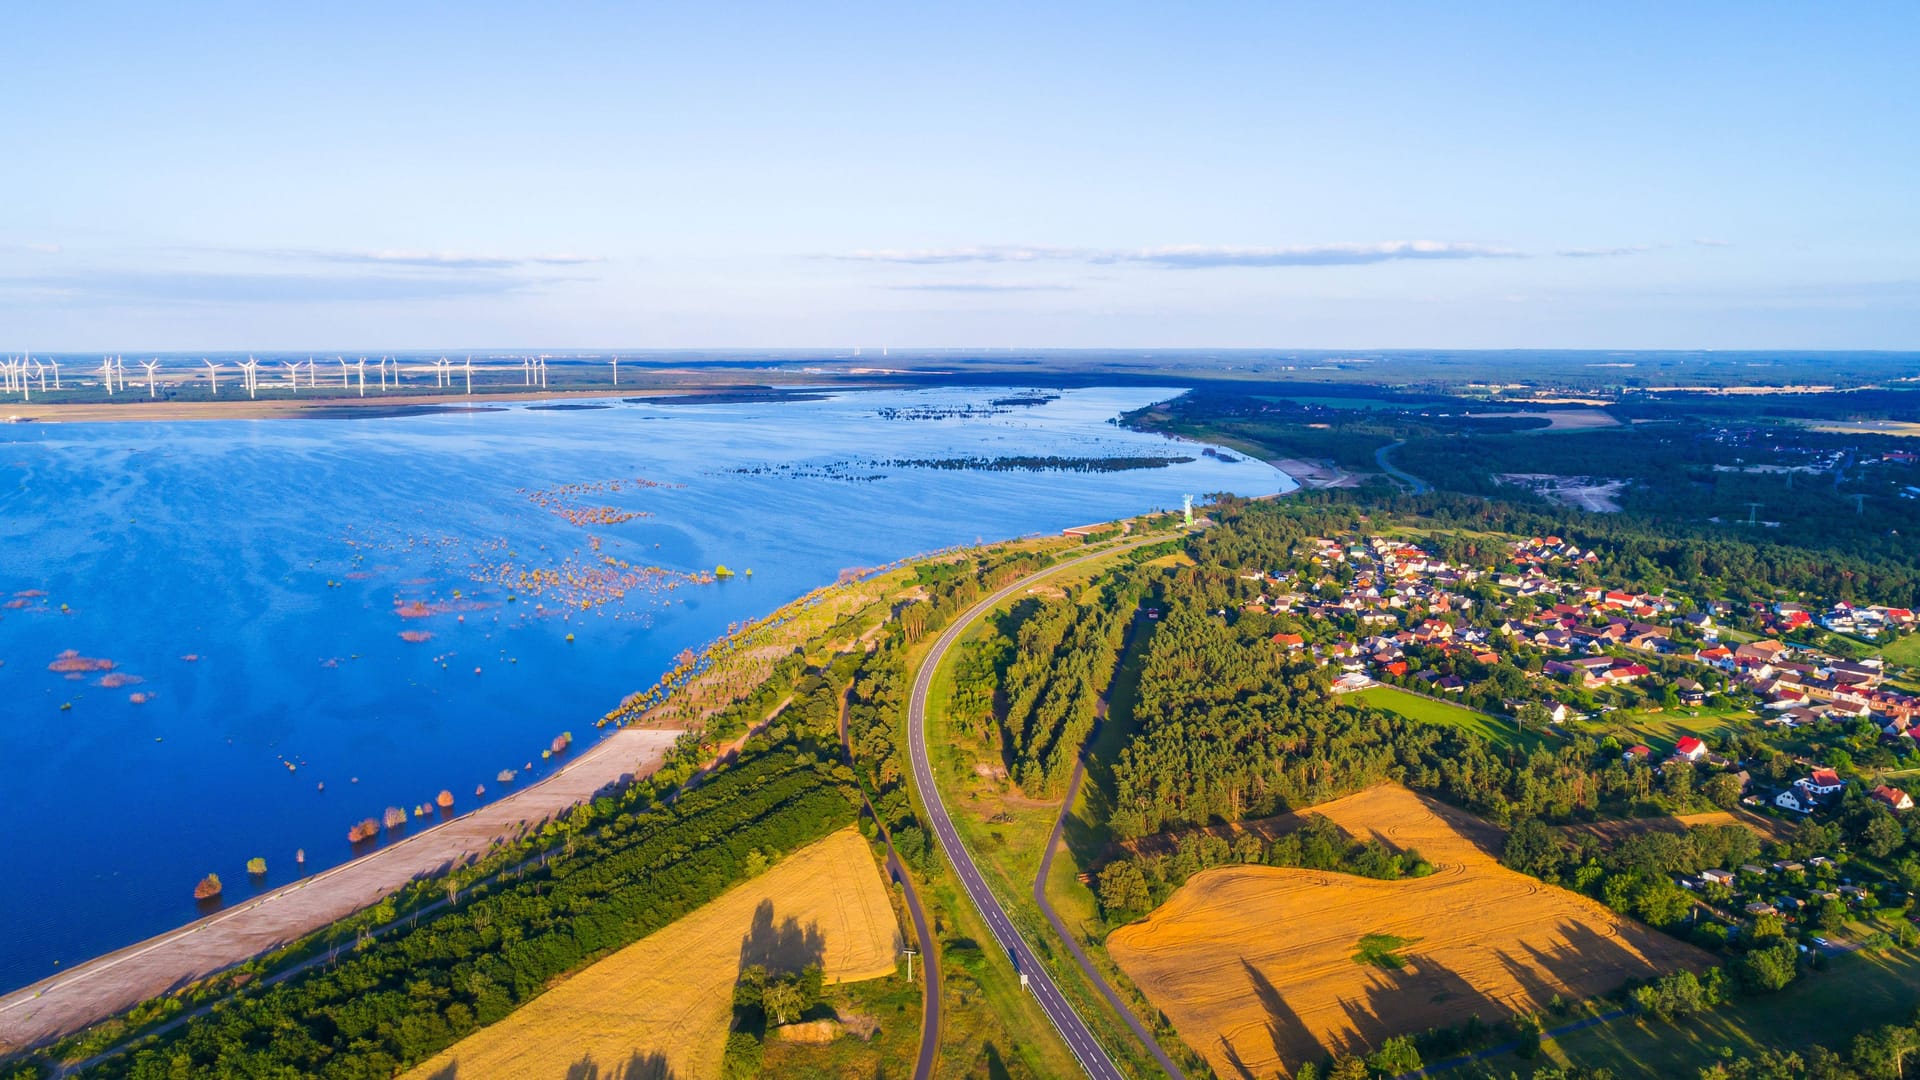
[
  {"x": 1796, "y": 801},
  {"x": 1893, "y": 797},
  {"x": 1689, "y": 749},
  {"x": 1822, "y": 782}
]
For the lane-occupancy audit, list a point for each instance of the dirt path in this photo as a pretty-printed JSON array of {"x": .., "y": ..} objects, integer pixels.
[{"x": 110, "y": 984}]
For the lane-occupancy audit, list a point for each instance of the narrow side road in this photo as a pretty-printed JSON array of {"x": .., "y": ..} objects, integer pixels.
[
  {"x": 1079, "y": 1039},
  {"x": 1419, "y": 486},
  {"x": 929, "y": 949},
  {"x": 1060, "y": 927}
]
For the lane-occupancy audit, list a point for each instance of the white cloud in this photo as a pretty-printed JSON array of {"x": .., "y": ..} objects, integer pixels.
[{"x": 1197, "y": 256}]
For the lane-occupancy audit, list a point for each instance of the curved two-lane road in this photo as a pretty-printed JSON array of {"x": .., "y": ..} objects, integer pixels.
[{"x": 1080, "y": 1040}]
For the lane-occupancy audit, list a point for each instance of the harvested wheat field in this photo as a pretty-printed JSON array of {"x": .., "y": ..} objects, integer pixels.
[
  {"x": 660, "y": 1007},
  {"x": 1262, "y": 968}
]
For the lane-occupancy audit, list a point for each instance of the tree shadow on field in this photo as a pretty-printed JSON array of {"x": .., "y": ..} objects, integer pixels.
[
  {"x": 1411, "y": 999},
  {"x": 643, "y": 1065},
  {"x": 450, "y": 1072},
  {"x": 1589, "y": 961},
  {"x": 996, "y": 1066},
  {"x": 784, "y": 948},
  {"x": 1292, "y": 1040}
]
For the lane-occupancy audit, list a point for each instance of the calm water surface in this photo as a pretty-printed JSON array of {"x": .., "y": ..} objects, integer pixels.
[{"x": 250, "y": 582}]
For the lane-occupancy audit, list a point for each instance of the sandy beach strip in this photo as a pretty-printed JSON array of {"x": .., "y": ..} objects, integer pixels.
[
  {"x": 1312, "y": 475},
  {"x": 110, "y": 984}
]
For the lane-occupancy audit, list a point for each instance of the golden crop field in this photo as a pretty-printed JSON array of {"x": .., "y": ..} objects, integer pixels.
[
  {"x": 661, "y": 1006},
  {"x": 1262, "y": 968}
]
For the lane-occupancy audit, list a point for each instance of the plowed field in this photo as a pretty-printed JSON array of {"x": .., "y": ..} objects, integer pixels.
[
  {"x": 660, "y": 1007},
  {"x": 1262, "y": 968}
]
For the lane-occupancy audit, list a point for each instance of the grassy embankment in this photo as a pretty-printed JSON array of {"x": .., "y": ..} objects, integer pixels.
[
  {"x": 1008, "y": 834},
  {"x": 990, "y": 1026}
]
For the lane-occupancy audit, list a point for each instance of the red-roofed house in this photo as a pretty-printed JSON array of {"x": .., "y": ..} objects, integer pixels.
[
  {"x": 1690, "y": 749},
  {"x": 1291, "y": 641},
  {"x": 1893, "y": 797},
  {"x": 1822, "y": 782}
]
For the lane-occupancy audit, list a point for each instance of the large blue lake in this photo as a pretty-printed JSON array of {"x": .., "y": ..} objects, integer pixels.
[{"x": 250, "y": 583}]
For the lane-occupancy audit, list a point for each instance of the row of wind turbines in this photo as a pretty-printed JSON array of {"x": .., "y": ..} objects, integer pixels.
[{"x": 19, "y": 374}]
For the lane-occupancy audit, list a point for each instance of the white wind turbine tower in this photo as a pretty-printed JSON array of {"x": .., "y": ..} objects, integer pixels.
[
  {"x": 213, "y": 376},
  {"x": 56, "y": 374},
  {"x": 252, "y": 369},
  {"x": 293, "y": 373},
  {"x": 106, "y": 372},
  {"x": 120, "y": 368},
  {"x": 40, "y": 370},
  {"x": 312, "y": 375},
  {"x": 469, "y": 375},
  {"x": 362, "y": 366},
  {"x": 343, "y": 371},
  {"x": 543, "y": 373},
  {"x": 150, "y": 365},
  {"x": 526, "y": 370},
  {"x": 616, "y": 370}
]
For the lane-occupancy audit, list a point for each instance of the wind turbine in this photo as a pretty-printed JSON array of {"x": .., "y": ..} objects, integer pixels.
[
  {"x": 150, "y": 365},
  {"x": 343, "y": 371},
  {"x": 363, "y": 376},
  {"x": 213, "y": 376},
  {"x": 106, "y": 370},
  {"x": 56, "y": 374},
  {"x": 543, "y": 373},
  {"x": 526, "y": 370},
  {"x": 293, "y": 373},
  {"x": 40, "y": 370},
  {"x": 252, "y": 368},
  {"x": 469, "y": 375},
  {"x": 120, "y": 367},
  {"x": 616, "y": 370}
]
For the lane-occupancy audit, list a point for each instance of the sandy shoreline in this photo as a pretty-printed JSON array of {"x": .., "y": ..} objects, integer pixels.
[
  {"x": 110, "y": 984},
  {"x": 1313, "y": 475}
]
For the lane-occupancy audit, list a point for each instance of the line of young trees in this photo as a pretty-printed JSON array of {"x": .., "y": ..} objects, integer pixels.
[
  {"x": 397, "y": 1000},
  {"x": 1052, "y": 662},
  {"x": 1133, "y": 885}
]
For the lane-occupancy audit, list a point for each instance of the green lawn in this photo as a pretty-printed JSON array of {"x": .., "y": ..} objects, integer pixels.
[
  {"x": 1429, "y": 711},
  {"x": 1661, "y": 730},
  {"x": 1905, "y": 651},
  {"x": 1827, "y": 1008}
]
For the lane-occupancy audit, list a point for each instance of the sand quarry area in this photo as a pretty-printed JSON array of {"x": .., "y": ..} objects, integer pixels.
[
  {"x": 661, "y": 1006},
  {"x": 113, "y": 983},
  {"x": 1263, "y": 968}
]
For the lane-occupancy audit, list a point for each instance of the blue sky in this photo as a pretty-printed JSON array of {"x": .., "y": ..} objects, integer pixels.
[{"x": 1263, "y": 175}]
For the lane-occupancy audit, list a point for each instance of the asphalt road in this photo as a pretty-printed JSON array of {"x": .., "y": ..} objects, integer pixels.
[
  {"x": 1081, "y": 1041},
  {"x": 1419, "y": 486},
  {"x": 1066, "y": 938}
]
